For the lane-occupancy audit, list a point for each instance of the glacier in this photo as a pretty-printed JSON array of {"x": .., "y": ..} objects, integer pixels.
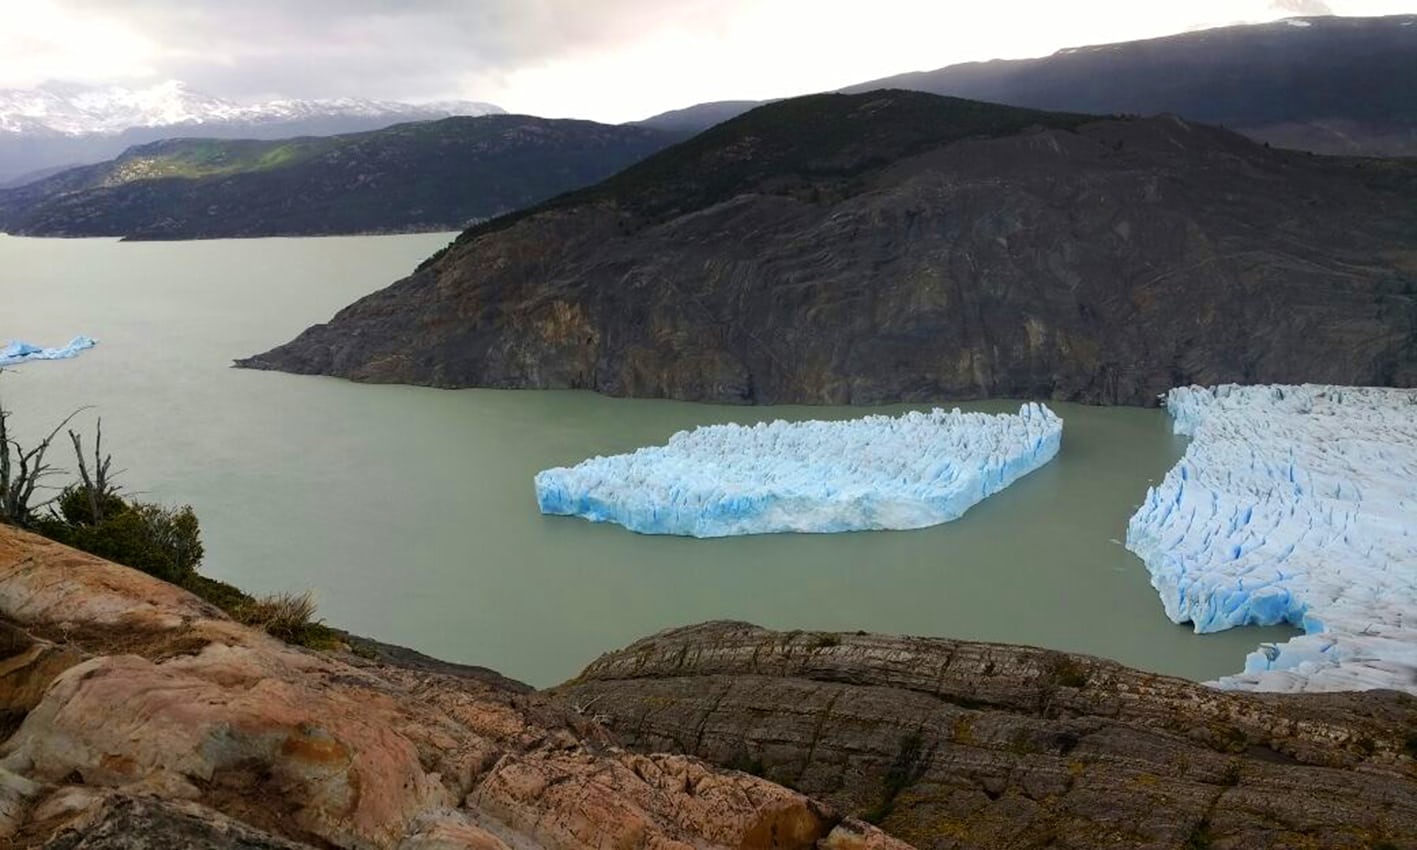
[
  {"x": 1298, "y": 505},
  {"x": 875, "y": 472},
  {"x": 18, "y": 352}
]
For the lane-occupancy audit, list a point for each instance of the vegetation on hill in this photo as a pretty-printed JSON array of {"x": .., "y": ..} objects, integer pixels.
[
  {"x": 817, "y": 147},
  {"x": 422, "y": 176}
]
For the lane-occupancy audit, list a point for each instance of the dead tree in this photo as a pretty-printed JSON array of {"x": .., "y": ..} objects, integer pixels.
[
  {"x": 96, "y": 483},
  {"x": 22, "y": 470}
]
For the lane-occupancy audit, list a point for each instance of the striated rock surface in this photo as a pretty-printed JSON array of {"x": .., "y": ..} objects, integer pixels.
[
  {"x": 898, "y": 246},
  {"x": 142, "y": 717},
  {"x": 965, "y": 745}
]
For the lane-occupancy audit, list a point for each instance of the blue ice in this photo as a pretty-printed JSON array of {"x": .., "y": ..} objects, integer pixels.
[
  {"x": 22, "y": 352},
  {"x": 876, "y": 472},
  {"x": 1293, "y": 504}
]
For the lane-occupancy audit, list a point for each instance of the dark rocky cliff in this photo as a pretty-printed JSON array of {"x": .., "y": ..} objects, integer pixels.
[
  {"x": 897, "y": 246},
  {"x": 948, "y": 744}
]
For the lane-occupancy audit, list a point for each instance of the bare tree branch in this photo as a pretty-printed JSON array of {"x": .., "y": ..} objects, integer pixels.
[
  {"x": 96, "y": 484},
  {"x": 22, "y": 472}
]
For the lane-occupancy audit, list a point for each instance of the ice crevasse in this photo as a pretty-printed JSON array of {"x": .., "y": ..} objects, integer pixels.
[
  {"x": 1293, "y": 504},
  {"x": 875, "y": 472}
]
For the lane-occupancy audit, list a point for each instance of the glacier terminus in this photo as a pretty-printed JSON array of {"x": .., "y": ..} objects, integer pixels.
[{"x": 1293, "y": 504}]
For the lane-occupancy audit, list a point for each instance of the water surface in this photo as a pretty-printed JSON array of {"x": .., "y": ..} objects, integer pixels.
[{"x": 410, "y": 511}]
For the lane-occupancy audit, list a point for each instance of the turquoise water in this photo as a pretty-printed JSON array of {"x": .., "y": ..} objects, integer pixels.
[{"x": 410, "y": 511}]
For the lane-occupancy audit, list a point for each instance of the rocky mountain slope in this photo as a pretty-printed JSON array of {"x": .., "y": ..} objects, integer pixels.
[
  {"x": 133, "y": 715},
  {"x": 898, "y": 246},
  {"x": 438, "y": 175},
  {"x": 1323, "y": 84},
  {"x": 948, "y": 744},
  {"x": 63, "y": 124}
]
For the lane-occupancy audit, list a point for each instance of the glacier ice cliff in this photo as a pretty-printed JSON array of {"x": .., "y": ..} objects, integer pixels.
[
  {"x": 18, "y": 352},
  {"x": 1293, "y": 504},
  {"x": 875, "y": 472}
]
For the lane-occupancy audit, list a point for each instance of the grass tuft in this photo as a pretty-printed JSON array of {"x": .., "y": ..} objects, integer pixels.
[{"x": 289, "y": 617}]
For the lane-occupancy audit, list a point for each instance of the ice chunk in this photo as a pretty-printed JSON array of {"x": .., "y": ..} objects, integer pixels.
[
  {"x": 875, "y": 472},
  {"x": 1293, "y": 504},
  {"x": 20, "y": 352}
]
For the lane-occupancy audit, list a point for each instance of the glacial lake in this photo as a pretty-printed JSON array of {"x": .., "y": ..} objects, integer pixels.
[{"x": 410, "y": 511}]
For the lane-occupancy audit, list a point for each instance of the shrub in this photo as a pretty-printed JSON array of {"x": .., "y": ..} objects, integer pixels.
[
  {"x": 162, "y": 542},
  {"x": 227, "y": 597}
]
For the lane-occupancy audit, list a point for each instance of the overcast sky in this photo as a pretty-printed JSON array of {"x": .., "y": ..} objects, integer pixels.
[{"x": 610, "y": 60}]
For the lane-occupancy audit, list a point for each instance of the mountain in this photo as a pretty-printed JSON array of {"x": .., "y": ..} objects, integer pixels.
[
  {"x": 900, "y": 246},
  {"x": 64, "y": 123},
  {"x": 1323, "y": 84},
  {"x": 438, "y": 175},
  {"x": 32, "y": 176},
  {"x": 700, "y": 117}
]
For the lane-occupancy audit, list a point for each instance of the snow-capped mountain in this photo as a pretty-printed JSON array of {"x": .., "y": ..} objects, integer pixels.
[
  {"x": 73, "y": 110},
  {"x": 63, "y": 124}
]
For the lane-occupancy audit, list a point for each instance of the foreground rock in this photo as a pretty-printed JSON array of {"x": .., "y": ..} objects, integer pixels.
[
  {"x": 897, "y": 246},
  {"x": 141, "y": 717},
  {"x": 965, "y": 745}
]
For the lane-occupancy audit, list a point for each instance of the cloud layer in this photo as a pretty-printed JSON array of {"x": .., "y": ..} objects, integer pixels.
[{"x": 607, "y": 59}]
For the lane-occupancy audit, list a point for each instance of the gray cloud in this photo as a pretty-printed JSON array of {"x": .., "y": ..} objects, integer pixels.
[
  {"x": 381, "y": 48},
  {"x": 1303, "y": 7}
]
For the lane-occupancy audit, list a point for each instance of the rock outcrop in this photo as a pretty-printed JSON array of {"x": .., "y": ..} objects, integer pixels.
[
  {"x": 139, "y": 716},
  {"x": 965, "y": 745},
  {"x": 897, "y": 246}
]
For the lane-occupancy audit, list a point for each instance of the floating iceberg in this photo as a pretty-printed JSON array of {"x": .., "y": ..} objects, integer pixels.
[
  {"x": 21, "y": 352},
  {"x": 1293, "y": 504},
  {"x": 876, "y": 472}
]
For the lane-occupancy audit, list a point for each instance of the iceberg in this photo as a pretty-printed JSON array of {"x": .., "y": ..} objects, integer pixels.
[
  {"x": 22, "y": 352},
  {"x": 1293, "y": 504},
  {"x": 876, "y": 472}
]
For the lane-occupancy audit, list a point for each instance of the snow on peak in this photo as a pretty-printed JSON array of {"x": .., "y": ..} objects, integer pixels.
[
  {"x": 1297, "y": 22},
  {"x": 72, "y": 109}
]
